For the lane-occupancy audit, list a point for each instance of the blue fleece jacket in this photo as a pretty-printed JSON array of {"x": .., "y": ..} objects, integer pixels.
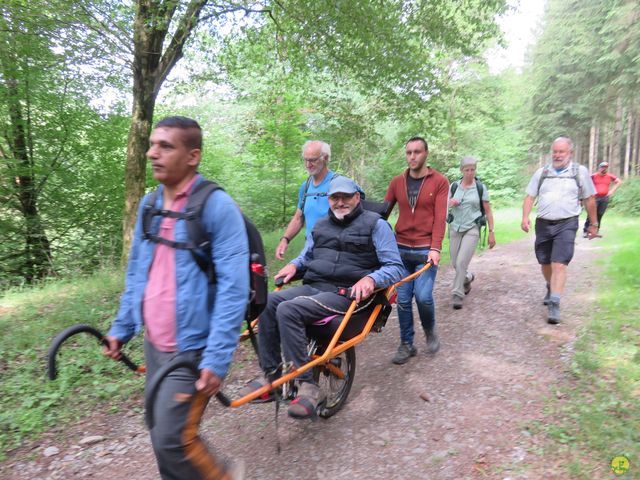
[{"x": 208, "y": 316}]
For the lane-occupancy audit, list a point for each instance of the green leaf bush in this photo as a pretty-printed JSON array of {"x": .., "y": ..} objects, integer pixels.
[{"x": 627, "y": 197}]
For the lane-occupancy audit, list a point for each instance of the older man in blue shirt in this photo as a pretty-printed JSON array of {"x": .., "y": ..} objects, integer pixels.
[{"x": 349, "y": 248}]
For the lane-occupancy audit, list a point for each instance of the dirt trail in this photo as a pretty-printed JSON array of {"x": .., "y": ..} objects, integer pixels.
[{"x": 498, "y": 364}]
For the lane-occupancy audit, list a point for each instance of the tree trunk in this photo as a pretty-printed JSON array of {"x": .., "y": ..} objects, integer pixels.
[
  {"x": 37, "y": 252},
  {"x": 596, "y": 147},
  {"x": 627, "y": 150},
  {"x": 616, "y": 139},
  {"x": 606, "y": 144},
  {"x": 150, "y": 68},
  {"x": 135, "y": 169},
  {"x": 592, "y": 146},
  {"x": 636, "y": 147}
]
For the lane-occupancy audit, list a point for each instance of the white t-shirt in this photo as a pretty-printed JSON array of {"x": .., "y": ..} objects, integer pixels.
[{"x": 559, "y": 197}]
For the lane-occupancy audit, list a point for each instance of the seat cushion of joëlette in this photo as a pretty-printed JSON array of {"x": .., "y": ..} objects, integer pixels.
[{"x": 325, "y": 328}]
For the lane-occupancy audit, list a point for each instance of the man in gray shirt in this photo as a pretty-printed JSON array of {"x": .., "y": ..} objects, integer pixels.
[{"x": 559, "y": 188}]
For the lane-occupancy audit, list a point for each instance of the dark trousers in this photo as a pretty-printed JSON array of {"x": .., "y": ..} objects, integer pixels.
[
  {"x": 555, "y": 240},
  {"x": 180, "y": 453},
  {"x": 283, "y": 322},
  {"x": 601, "y": 206}
]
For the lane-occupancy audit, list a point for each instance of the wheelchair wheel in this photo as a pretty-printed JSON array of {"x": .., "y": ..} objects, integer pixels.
[{"x": 335, "y": 379}]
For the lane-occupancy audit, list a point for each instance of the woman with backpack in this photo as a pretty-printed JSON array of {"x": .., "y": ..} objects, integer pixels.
[{"x": 469, "y": 212}]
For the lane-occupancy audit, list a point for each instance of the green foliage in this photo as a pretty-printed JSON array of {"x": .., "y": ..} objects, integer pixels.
[
  {"x": 584, "y": 60},
  {"x": 29, "y": 403},
  {"x": 627, "y": 197},
  {"x": 259, "y": 88},
  {"x": 60, "y": 161},
  {"x": 276, "y": 136},
  {"x": 507, "y": 224},
  {"x": 485, "y": 121}
]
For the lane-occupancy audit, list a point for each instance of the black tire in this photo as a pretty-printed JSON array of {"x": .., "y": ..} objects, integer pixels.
[
  {"x": 334, "y": 389},
  {"x": 52, "y": 370}
]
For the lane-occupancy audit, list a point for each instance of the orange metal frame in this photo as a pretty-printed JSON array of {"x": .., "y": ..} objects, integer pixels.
[{"x": 333, "y": 349}]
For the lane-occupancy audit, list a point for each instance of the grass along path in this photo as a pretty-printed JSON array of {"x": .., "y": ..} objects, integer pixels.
[{"x": 598, "y": 412}]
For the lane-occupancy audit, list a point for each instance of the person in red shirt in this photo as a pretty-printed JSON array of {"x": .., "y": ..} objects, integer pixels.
[
  {"x": 602, "y": 180},
  {"x": 421, "y": 194}
]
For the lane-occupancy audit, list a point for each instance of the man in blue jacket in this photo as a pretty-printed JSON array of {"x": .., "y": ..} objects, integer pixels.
[{"x": 184, "y": 315}]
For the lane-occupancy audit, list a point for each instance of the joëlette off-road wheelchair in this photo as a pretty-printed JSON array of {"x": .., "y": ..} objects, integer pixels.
[{"x": 331, "y": 349}]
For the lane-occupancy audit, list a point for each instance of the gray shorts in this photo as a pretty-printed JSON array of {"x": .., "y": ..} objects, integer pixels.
[{"x": 555, "y": 240}]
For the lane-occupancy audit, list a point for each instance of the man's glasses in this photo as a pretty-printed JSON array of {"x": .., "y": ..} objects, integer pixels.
[{"x": 312, "y": 160}]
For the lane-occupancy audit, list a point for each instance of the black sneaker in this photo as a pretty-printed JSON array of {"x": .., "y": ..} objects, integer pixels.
[{"x": 405, "y": 351}]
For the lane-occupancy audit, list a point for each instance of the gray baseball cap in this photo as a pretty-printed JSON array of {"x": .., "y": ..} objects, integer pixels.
[{"x": 343, "y": 185}]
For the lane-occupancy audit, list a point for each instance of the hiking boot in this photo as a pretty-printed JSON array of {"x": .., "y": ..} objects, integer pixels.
[
  {"x": 254, "y": 385},
  {"x": 554, "y": 313},
  {"x": 457, "y": 302},
  {"x": 467, "y": 284},
  {"x": 306, "y": 402},
  {"x": 545, "y": 301},
  {"x": 433, "y": 342},
  {"x": 405, "y": 351}
]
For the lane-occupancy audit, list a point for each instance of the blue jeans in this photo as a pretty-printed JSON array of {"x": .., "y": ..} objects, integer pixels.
[{"x": 422, "y": 288}]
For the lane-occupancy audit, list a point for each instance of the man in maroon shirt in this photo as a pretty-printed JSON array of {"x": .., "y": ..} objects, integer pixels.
[
  {"x": 602, "y": 180},
  {"x": 421, "y": 194}
]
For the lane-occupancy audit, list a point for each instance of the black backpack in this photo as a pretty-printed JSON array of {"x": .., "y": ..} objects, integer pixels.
[{"x": 199, "y": 243}]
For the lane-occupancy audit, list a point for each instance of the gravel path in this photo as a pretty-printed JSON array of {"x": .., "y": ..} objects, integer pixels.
[{"x": 498, "y": 365}]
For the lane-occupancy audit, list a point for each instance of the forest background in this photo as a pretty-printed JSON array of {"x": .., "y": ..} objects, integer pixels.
[{"x": 82, "y": 81}]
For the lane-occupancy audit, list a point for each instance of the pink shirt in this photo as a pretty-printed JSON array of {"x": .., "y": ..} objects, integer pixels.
[{"x": 159, "y": 304}]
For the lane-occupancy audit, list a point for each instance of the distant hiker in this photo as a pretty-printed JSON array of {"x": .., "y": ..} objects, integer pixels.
[
  {"x": 184, "y": 315},
  {"x": 313, "y": 202},
  {"x": 469, "y": 212},
  {"x": 602, "y": 181},
  {"x": 421, "y": 194},
  {"x": 348, "y": 248},
  {"x": 559, "y": 188}
]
